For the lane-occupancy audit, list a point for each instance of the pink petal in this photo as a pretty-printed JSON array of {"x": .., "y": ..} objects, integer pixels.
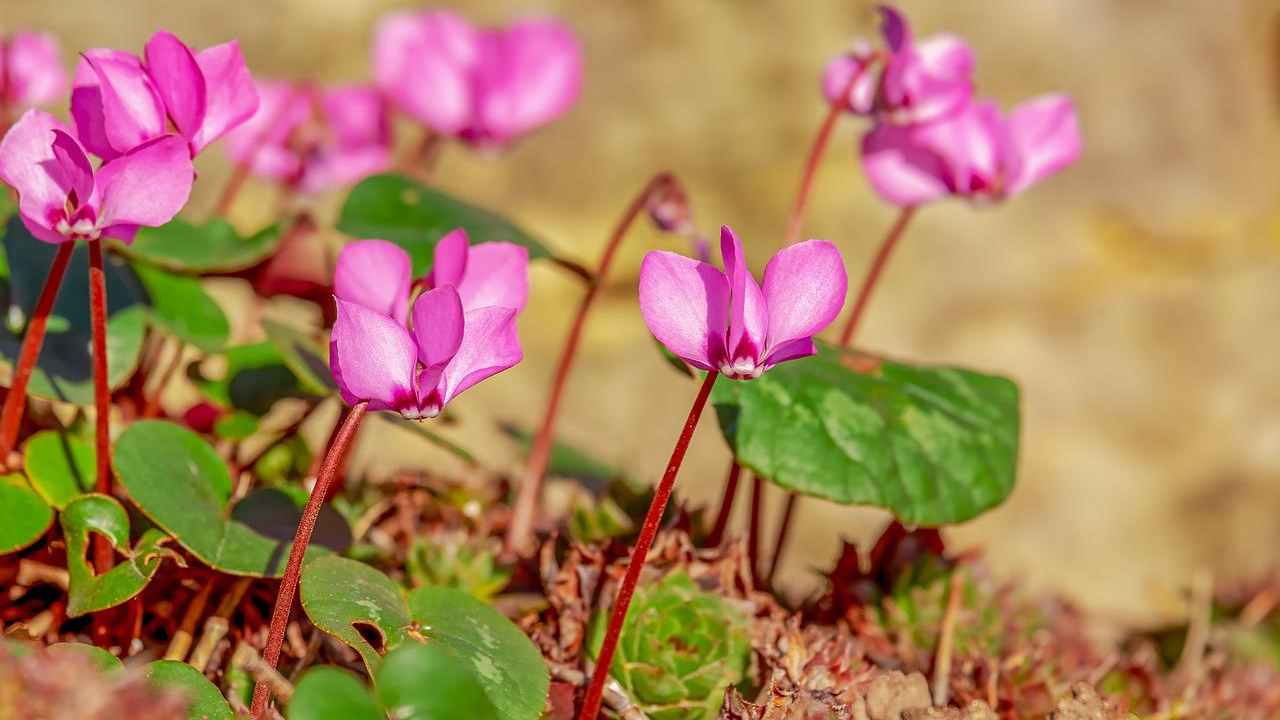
[
  {"x": 974, "y": 145},
  {"x": 794, "y": 350},
  {"x": 437, "y": 325},
  {"x": 804, "y": 289},
  {"x": 231, "y": 97},
  {"x": 76, "y": 173},
  {"x": 685, "y": 304},
  {"x": 449, "y": 261},
  {"x": 261, "y": 141},
  {"x": 1046, "y": 137},
  {"x": 901, "y": 169},
  {"x": 178, "y": 80},
  {"x": 858, "y": 68},
  {"x": 935, "y": 80},
  {"x": 332, "y": 167},
  {"x": 423, "y": 61},
  {"x": 147, "y": 185},
  {"x": 28, "y": 165},
  {"x": 894, "y": 27},
  {"x": 86, "y": 105},
  {"x": 531, "y": 75},
  {"x": 748, "y": 318},
  {"x": 373, "y": 358},
  {"x": 375, "y": 274},
  {"x": 490, "y": 344},
  {"x": 497, "y": 275},
  {"x": 33, "y": 69},
  {"x": 357, "y": 116},
  {"x": 131, "y": 107}
]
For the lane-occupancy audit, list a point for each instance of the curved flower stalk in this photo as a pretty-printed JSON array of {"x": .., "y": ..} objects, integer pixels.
[
  {"x": 31, "y": 72},
  {"x": 314, "y": 139},
  {"x": 484, "y": 86},
  {"x": 120, "y": 100}
]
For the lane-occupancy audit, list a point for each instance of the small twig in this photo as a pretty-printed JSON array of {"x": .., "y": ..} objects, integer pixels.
[
  {"x": 217, "y": 625},
  {"x": 370, "y": 516},
  {"x": 614, "y": 695},
  {"x": 1189, "y": 663},
  {"x": 308, "y": 655},
  {"x": 248, "y": 659},
  {"x": 180, "y": 645},
  {"x": 946, "y": 638},
  {"x": 31, "y": 573},
  {"x": 1259, "y": 607}
]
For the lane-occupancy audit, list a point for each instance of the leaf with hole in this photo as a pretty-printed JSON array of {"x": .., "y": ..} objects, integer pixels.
[
  {"x": 181, "y": 484},
  {"x": 934, "y": 445},
  {"x": 180, "y": 305},
  {"x": 353, "y": 602},
  {"x": 24, "y": 515},
  {"x": 60, "y": 466},
  {"x": 331, "y": 693},
  {"x": 104, "y": 516},
  {"x": 415, "y": 217},
  {"x": 206, "y": 701},
  {"x": 181, "y": 246}
]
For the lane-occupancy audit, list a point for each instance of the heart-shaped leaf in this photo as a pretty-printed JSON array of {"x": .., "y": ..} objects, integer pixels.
[
  {"x": 180, "y": 483},
  {"x": 339, "y": 595},
  {"x": 101, "y": 659},
  {"x": 64, "y": 371},
  {"x": 471, "y": 636},
  {"x": 105, "y": 516},
  {"x": 426, "y": 682},
  {"x": 331, "y": 693},
  {"x": 24, "y": 515},
  {"x": 181, "y": 307},
  {"x": 415, "y": 217},
  {"x": 307, "y": 358},
  {"x": 206, "y": 701},
  {"x": 213, "y": 247},
  {"x": 934, "y": 445},
  {"x": 60, "y": 466}
]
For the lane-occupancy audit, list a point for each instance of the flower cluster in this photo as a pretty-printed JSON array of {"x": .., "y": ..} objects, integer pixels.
[{"x": 932, "y": 138}]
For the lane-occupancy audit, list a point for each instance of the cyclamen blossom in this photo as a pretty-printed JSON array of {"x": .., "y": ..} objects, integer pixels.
[
  {"x": 30, "y": 70},
  {"x": 905, "y": 83},
  {"x": 448, "y": 347},
  {"x": 61, "y": 197},
  {"x": 314, "y": 139},
  {"x": 725, "y": 321},
  {"x": 486, "y": 86},
  {"x": 120, "y": 101},
  {"x": 978, "y": 154}
]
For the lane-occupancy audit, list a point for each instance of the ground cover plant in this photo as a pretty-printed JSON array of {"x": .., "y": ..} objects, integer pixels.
[{"x": 212, "y": 564}]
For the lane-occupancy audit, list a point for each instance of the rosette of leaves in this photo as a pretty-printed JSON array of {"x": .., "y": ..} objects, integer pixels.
[
  {"x": 680, "y": 648},
  {"x": 451, "y": 559}
]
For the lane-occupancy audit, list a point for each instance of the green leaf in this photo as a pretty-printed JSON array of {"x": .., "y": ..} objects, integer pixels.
[
  {"x": 415, "y": 217},
  {"x": 471, "y": 637},
  {"x": 331, "y": 693},
  {"x": 307, "y": 358},
  {"x": 213, "y": 247},
  {"x": 101, "y": 659},
  {"x": 207, "y": 702},
  {"x": 64, "y": 371},
  {"x": 237, "y": 425},
  {"x": 180, "y": 306},
  {"x": 105, "y": 516},
  {"x": 256, "y": 377},
  {"x": 60, "y": 466},
  {"x": 934, "y": 445},
  {"x": 179, "y": 482},
  {"x": 338, "y": 594},
  {"x": 24, "y": 515},
  {"x": 426, "y": 682},
  {"x": 420, "y": 429}
]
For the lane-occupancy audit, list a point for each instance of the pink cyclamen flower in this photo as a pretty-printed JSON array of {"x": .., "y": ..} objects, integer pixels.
[
  {"x": 907, "y": 82},
  {"x": 314, "y": 139},
  {"x": 119, "y": 101},
  {"x": 30, "y": 70},
  {"x": 725, "y": 321},
  {"x": 978, "y": 154},
  {"x": 61, "y": 197},
  {"x": 448, "y": 345},
  {"x": 486, "y": 86}
]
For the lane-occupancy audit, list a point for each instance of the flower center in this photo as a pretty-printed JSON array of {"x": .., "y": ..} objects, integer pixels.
[
  {"x": 742, "y": 368},
  {"x": 82, "y": 228}
]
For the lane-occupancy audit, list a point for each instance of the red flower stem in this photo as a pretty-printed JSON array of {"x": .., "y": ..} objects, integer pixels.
[
  {"x": 595, "y": 691},
  {"x": 306, "y": 525},
  {"x": 16, "y": 401},
  {"x": 780, "y": 544},
  {"x": 753, "y": 531},
  {"x": 520, "y": 531},
  {"x": 101, "y": 390},
  {"x": 873, "y": 274},
  {"x": 816, "y": 151},
  {"x": 716, "y": 536}
]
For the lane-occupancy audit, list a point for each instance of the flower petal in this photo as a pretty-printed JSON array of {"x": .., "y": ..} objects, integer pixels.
[
  {"x": 497, "y": 274},
  {"x": 902, "y": 170},
  {"x": 231, "y": 97},
  {"x": 178, "y": 80},
  {"x": 423, "y": 61},
  {"x": 804, "y": 289},
  {"x": 375, "y": 274},
  {"x": 437, "y": 325},
  {"x": 748, "y": 318},
  {"x": 372, "y": 358},
  {"x": 894, "y": 27},
  {"x": 357, "y": 116},
  {"x": 685, "y": 304},
  {"x": 33, "y": 69},
  {"x": 27, "y": 165},
  {"x": 530, "y": 75},
  {"x": 794, "y": 350},
  {"x": 131, "y": 108},
  {"x": 261, "y": 141},
  {"x": 853, "y": 73},
  {"x": 449, "y": 260},
  {"x": 1046, "y": 136},
  {"x": 490, "y": 344},
  {"x": 75, "y": 171},
  {"x": 147, "y": 185}
]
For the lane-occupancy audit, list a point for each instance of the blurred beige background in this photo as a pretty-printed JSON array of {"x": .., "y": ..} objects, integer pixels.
[{"x": 1135, "y": 297}]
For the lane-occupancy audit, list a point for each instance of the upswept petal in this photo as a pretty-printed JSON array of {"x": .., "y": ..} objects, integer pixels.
[
  {"x": 423, "y": 62},
  {"x": 490, "y": 344},
  {"x": 794, "y": 350},
  {"x": 973, "y": 144},
  {"x": 856, "y": 67},
  {"x": 748, "y": 318},
  {"x": 902, "y": 170},
  {"x": 450, "y": 258},
  {"x": 27, "y": 165},
  {"x": 260, "y": 141},
  {"x": 231, "y": 96},
  {"x": 331, "y": 168},
  {"x": 34, "y": 70},
  {"x": 178, "y": 81},
  {"x": 437, "y": 325},
  {"x": 804, "y": 288},
  {"x": 497, "y": 274},
  {"x": 356, "y": 115},
  {"x": 132, "y": 111},
  {"x": 147, "y": 185},
  {"x": 74, "y": 171},
  {"x": 1046, "y": 137},
  {"x": 375, "y": 274},
  {"x": 372, "y": 358},
  {"x": 531, "y": 75},
  {"x": 895, "y": 28},
  {"x": 685, "y": 304}
]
